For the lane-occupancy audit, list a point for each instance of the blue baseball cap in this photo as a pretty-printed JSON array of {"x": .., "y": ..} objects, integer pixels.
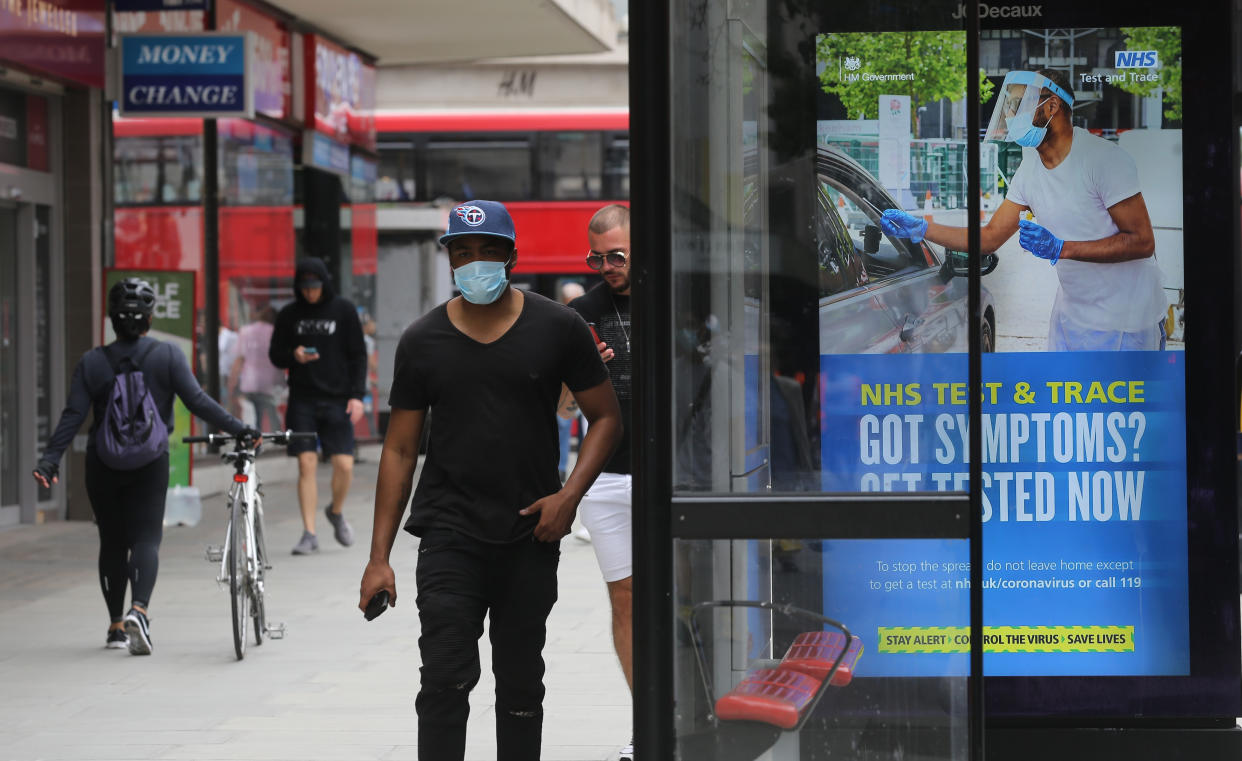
[{"x": 479, "y": 218}]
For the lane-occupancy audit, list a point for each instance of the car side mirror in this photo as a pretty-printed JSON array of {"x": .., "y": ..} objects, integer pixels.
[
  {"x": 957, "y": 264},
  {"x": 871, "y": 239}
]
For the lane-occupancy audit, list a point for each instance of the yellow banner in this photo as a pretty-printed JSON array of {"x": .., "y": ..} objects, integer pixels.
[{"x": 1008, "y": 639}]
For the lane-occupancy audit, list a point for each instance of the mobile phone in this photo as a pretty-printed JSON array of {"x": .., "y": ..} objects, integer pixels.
[
  {"x": 310, "y": 351},
  {"x": 377, "y": 605},
  {"x": 594, "y": 335}
]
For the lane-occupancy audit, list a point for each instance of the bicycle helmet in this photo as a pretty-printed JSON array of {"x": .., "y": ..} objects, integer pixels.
[{"x": 131, "y": 296}]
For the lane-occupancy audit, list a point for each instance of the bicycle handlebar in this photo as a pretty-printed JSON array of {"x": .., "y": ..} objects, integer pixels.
[{"x": 279, "y": 437}]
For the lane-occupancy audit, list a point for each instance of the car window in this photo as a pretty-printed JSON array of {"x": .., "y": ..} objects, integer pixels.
[
  {"x": 894, "y": 256},
  {"x": 840, "y": 262}
]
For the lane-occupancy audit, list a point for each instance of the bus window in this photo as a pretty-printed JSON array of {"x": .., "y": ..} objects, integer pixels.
[{"x": 479, "y": 166}]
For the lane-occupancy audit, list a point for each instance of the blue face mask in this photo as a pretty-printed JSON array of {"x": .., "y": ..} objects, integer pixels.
[
  {"x": 481, "y": 282},
  {"x": 1022, "y": 129}
]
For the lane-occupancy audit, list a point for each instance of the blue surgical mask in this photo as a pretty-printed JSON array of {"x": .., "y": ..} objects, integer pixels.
[
  {"x": 481, "y": 282},
  {"x": 1022, "y": 129}
]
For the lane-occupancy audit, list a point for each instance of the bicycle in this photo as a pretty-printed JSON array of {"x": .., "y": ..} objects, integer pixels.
[{"x": 243, "y": 557}]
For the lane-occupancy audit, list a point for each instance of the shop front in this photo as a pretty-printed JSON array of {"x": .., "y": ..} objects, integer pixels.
[
  {"x": 932, "y": 464},
  {"x": 51, "y": 80}
]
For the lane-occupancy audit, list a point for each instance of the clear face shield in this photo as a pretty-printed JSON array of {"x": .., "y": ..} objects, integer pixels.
[{"x": 1020, "y": 96}]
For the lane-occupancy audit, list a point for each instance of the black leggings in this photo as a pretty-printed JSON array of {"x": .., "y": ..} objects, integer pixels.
[{"x": 129, "y": 511}]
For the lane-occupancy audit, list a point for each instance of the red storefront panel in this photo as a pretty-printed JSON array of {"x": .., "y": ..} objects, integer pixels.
[
  {"x": 256, "y": 242},
  {"x": 552, "y": 237},
  {"x": 61, "y": 38},
  {"x": 364, "y": 238}
]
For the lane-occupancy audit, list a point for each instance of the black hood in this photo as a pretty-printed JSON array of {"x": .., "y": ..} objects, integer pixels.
[{"x": 313, "y": 267}]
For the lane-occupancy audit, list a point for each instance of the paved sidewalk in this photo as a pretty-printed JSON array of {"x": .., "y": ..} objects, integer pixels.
[{"x": 337, "y": 687}]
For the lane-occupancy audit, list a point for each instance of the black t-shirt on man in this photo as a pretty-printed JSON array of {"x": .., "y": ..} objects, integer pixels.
[
  {"x": 611, "y": 315},
  {"x": 493, "y": 447}
]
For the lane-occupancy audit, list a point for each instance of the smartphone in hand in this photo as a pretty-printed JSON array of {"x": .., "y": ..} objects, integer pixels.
[
  {"x": 594, "y": 335},
  {"x": 377, "y": 605},
  {"x": 310, "y": 351}
]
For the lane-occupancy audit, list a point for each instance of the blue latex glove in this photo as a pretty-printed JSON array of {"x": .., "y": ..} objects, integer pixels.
[
  {"x": 1036, "y": 239},
  {"x": 899, "y": 224}
]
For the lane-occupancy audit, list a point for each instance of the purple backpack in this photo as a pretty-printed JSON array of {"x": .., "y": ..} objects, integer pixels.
[{"x": 132, "y": 433}]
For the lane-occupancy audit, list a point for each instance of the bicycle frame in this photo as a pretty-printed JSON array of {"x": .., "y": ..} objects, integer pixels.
[{"x": 243, "y": 492}]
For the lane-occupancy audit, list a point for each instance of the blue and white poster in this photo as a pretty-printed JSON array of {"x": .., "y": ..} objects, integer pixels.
[{"x": 1083, "y": 425}]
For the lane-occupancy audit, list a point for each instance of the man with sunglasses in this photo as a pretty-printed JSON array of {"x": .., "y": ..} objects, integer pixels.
[
  {"x": 490, "y": 509},
  {"x": 606, "y": 509}
]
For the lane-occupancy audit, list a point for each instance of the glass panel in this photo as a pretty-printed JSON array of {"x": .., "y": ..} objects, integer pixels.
[
  {"x": 43, "y": 329},
  {"x": 396, "y": 172},
  {"x": 793, "y": 649},
  {"x": 816, "y": 351},
  {"x": 569, "y": 165},
  {"x": 9, "y": 408},
  {"x": 256, "y": 164},
  {"x": 154, "y": 170},
  {"x": 479, "y": 166}
]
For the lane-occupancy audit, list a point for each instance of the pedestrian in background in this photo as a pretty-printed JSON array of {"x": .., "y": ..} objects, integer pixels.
[
  {"x": 606, "y": 508},
  {"x": 489, "y": 509},
  {"x": 565, "y": 424},
  {"x": 253, "y": 376},
  {"x": 318, "y": 339},
  {"x": 127, "y": 493}
]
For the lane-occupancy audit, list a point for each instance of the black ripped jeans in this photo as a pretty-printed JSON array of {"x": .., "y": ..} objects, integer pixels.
[{"x": 460, "y": 580}]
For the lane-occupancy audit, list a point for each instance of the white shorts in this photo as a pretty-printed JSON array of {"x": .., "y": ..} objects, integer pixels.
[{"x": 605, "y": 511}]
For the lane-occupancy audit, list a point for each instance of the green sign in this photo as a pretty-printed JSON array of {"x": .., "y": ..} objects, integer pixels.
[{"x": 172, "y": 322}]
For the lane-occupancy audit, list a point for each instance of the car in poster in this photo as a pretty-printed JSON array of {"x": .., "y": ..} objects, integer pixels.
[{"x": 879, "y": 294}]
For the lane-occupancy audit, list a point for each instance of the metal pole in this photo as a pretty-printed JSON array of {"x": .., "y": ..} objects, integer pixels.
[
  {"x": 975, "y": 386},
  {"x": 211, "y": 247}
]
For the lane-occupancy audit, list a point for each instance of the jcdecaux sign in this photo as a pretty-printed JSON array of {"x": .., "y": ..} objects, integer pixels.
[{"x": 201, "y": 75}]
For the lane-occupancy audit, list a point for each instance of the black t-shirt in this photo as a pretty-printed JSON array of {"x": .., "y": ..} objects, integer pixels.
[
  {"x": 493, "y": 447},
  {"x": 611, "y": 315}
]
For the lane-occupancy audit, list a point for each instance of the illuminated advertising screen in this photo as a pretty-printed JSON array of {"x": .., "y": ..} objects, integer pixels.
[{"x": 1084, "y": 424}]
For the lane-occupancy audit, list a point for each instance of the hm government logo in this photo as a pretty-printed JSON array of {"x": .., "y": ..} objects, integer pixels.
[
  {"x": 1136, "y": 59},
  {"x": 1002, "y": 11},
  {"x": 852, "y": 63},
  {"x": 471, "y": 215}
]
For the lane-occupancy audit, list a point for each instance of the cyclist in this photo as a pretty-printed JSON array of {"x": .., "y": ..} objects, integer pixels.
[{"x": 129, "y": 502}]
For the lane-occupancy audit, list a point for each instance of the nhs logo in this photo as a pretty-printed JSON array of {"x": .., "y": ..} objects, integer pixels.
[{"x": 1136, "y": 59}]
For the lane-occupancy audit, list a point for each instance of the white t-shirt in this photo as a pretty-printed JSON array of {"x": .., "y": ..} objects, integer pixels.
[{"x": 1072, "y": 201}]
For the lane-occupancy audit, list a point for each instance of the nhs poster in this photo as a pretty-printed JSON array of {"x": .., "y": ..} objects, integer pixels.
[{"x": 1084, "y": 471}]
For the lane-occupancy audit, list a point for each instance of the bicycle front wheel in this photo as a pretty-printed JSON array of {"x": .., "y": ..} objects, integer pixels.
[{"x": 239, "y": 582}]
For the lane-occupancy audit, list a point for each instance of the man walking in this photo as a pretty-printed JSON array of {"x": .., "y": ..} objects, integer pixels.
[
  {"x": 318, "y": 338},
  {"x": 1090, "y": 220},
  {"x": 606, "y": 511},
  {"x": 489, "y": 509}
]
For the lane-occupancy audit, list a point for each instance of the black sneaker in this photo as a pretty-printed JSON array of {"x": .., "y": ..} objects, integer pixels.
[
  {"x": 138, "y": 630},
  {"x": 117, "y": 639}
]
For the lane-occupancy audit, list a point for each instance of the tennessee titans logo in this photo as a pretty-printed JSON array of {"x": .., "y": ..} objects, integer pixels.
[{"x": 471, "y": 215}]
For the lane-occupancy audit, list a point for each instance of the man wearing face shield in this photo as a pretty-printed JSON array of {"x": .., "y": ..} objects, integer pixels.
[
  {"x": 1090, "y": 220},
  {"x": 489, "y": 508}
]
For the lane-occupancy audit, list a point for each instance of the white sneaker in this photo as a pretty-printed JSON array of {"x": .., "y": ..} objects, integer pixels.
[{"x": 627, "y": 753}]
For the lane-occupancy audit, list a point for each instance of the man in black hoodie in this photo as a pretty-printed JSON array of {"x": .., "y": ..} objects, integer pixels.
[{"x": 318, "y": 338}]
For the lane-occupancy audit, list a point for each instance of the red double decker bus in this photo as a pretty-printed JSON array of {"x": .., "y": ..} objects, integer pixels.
[{"x": 552, "y": 169}]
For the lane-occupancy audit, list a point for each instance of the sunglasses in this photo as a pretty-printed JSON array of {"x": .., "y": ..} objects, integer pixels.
[{"x": 613, "y": 258}]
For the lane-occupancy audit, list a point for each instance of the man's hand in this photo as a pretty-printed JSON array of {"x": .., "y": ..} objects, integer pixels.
[
  {"x": 1036, "y": 239},
  {"x": 46, "y": 473},
  {"x": 301, "y": 356},
  {"x": 355, "y": 410},
  {"x": 605, "y": 353},
  {"x": 899, "y": 224},
  {"x": 556, "y": 515},
  {"x": 377, "y": 575}
]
